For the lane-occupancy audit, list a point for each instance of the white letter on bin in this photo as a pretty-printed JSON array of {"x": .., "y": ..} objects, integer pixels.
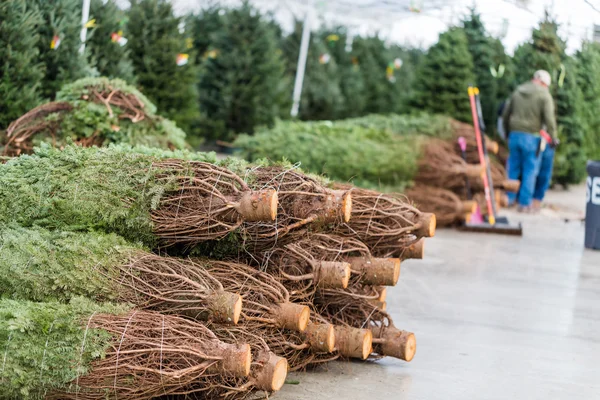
[
  {"x": 596, "y": 191},
  {"x": 588, "y": 189}
]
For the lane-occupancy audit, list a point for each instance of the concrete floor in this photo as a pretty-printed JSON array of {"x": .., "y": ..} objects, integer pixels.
[{"x": 496, "y": 317}]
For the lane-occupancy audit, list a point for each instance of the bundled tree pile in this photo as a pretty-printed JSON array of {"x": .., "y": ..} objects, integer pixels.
[
  {"x": 93, "y": 111},
  {"x": 417, "y": 154},
  {"x": 137, "y": 273}
]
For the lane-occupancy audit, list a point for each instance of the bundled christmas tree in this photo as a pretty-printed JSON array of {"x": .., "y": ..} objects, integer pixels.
[
  {"x": 58, "y": 43},
  {"x": 242, "y": 75},
  {"x": 93, "y": 111},
  {"x": 106, "y": 44},
  {"x": 164, "y": 68},
  {"x": 154, "y": 199},
  {"x": 20, "y": 68},
  {"x": 444, "y": 76},
  {"x": 65, "y": 351}
]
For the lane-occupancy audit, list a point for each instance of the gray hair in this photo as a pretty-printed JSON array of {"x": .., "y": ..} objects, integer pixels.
[{"x": 542, "y": 76}]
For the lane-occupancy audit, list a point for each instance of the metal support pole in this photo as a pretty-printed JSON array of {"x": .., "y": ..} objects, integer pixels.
[
  {"x": 85, "y": 16},
  {"x": 301, "y": 63}
]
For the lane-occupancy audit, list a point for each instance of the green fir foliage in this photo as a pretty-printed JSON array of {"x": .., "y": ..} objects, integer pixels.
[
  {"x": 154, "y": 43},
  {"x": 90, "y": 119},
  {"x": 61, "y": 18},
  {"x": 242, "y": 78},
  {"x": 20, "y": 67},
  {"x": 444, "y": 75},
  {"x": 46, "y": 346},
  {"x": 112, "y": 189},
  {"x": 570, "y": 155},
  {"x": 41, "y": 265},
  {"x": 351, "y": 80},
  {"x": 406, "y": 125},
  {"x": 321, "y": 93},
  {"x": 344, "y": 152},
  {"x": 108, "y": 56},
  {"x": 588, "y": 74},
  {"x": 483, "y": 59}
]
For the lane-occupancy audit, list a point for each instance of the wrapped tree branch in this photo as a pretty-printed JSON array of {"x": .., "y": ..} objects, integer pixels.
[
  {"x": 447, "y": 206},
  {"x": 146, "y": 198},
  {"x": 304, "y": 203},
  {"x": 365, "y": 269},
  {"x": 266, "y": 300},
  {"x": 386, "y": 223},
  {"x": 20, "y": 132},
  {"x": 439, "y": 166},
  {"x": 41, "y": 265},
  {"x": 350, "y": 310},
  {"x": 91, "y": 352}
]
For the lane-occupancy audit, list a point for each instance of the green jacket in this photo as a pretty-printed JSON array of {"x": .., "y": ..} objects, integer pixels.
[{"x": 530, "y": 109}]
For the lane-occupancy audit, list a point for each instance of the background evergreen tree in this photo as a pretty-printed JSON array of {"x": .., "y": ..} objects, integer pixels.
[
  {"x": 505, "y": 71},
  {"x": 63, "y": 64},
  {"x": 570, "y": 155},
  {"x": 109, "y": 57},
  {"x": 20, "y": 68},
  {"x": 588, "y": 79},
  {"x": 443, "y": 77},
  {"x": 201, "y": 28},
  {"x": 351, "y": 81},
  {"x": 546, "y": 50},
  {"x": 322, "y": 96},
  {"x": 483, "y": 58},
  {"x": 383, "y": 95},
  {"x": 154, "y": 41},
  {"x": 240, "y": 82}
]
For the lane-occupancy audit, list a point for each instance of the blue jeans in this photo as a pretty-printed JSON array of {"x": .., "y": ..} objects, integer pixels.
[
  {"x": 523, "y": 164},
  {"x": 542, "y": 183}
]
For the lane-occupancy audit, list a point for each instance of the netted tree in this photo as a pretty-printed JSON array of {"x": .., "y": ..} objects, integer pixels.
[
  {"x": 58, "y": 43},
  {"x": 20, "y": 68},
  {"x": 155, "y": 43},
  {"x": 241, "y": 78},
  {"x": 443, "y": 77},
  {"x": 106, "y": 47}
]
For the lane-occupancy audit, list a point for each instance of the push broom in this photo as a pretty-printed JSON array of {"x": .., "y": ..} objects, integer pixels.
[{"x": 493, "y": 224}]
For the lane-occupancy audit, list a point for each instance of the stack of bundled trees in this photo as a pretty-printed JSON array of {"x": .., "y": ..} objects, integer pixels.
[
  {"x": 418, "y": 155},
  {"x": 136, "y": 273}
]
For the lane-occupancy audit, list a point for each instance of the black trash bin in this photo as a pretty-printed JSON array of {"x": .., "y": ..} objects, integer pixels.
[{"x": 592, "y": 211}]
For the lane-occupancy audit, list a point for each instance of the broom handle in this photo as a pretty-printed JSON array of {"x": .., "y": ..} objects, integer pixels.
[
  {"x": 485, "y": 154},
  {"x": 491, "y": 217}
]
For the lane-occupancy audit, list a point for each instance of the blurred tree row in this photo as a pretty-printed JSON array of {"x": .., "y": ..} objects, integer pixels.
[{"x": 223, "y": 71}]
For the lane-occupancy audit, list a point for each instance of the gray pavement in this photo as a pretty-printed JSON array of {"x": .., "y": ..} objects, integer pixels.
[{"x": 496, "y": 317}]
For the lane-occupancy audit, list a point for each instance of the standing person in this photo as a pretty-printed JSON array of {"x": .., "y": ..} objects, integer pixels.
[{"x": 530, "y": 108}]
